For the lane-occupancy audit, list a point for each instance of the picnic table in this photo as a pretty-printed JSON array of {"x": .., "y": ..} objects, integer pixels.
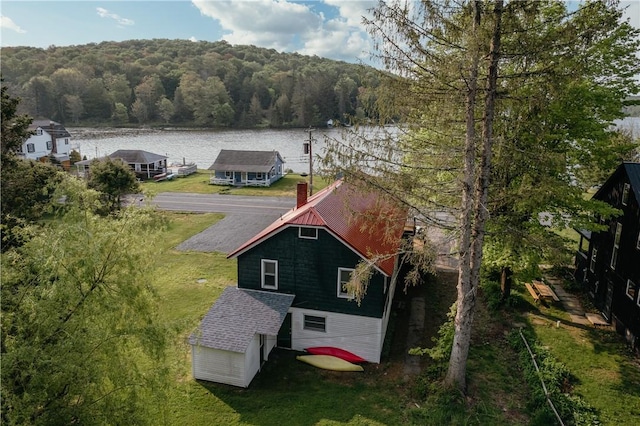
[{"x": 544, "y": 290}]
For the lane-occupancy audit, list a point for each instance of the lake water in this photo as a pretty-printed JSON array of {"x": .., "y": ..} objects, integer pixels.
[{"x": 202, "y": 147}]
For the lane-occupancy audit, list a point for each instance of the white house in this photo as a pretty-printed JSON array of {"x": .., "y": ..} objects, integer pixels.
[{"x": 49, "y": 138}]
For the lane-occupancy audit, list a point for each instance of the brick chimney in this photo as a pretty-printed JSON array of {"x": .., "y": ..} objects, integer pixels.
[{"x": 301, "y": 198}]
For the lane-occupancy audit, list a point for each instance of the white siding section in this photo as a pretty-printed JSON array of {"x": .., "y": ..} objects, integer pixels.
[
  {"x": 218, "y": 366},
  {"x": 231, "y": 368},
  {"x": 361, "y": 335},
  {"x": 40, "y": 146},
  {"x": 252, "y": 360}
]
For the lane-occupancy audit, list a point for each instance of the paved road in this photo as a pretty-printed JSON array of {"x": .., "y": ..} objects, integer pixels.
[
  {"x": 216, "y": 203},
  {"x": 244, "y": 217}
]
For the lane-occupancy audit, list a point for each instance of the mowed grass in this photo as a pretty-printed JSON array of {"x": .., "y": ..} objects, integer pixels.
[
  {"x": 285, "y": 392},
  {"x": 606, "y": 374},
  {"x": 199, "y": 183}
]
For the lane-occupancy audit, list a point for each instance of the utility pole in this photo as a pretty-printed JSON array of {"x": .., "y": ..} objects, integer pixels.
[{"x": 308, "y": 147}]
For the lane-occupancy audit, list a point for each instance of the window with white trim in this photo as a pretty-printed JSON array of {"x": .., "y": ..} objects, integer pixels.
[
  {"x": 228, "y": 175},
  {"x": 594, "y": 256},
  {"x": 616, "y": 245},
  {"x": 39, "y": 131},
  {"x": 315, "y": 323},
  {"x": 49, "y": 145},
  {"x": 631, "y": 290},
  {"x": 625, "y": 194},
  {"x": 307, "y": 232},
  {"x": 31, "y": 147},
  {"x": 344, "y": 275},
  {"x": 260, "y": 176},
  {"x": 269, "y": 273},
  {"x": 66, "y": 141}
]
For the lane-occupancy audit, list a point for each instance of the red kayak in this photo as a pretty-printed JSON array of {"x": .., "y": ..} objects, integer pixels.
[{"x": 337, "y": 352}]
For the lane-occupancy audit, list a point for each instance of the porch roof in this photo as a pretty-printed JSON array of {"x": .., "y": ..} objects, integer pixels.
[{"x": 238, "y": 315}]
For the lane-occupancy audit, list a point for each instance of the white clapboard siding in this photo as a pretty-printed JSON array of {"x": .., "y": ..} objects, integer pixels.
[
  {"x": 219, "y": 366},
  {"x": 361, "y": 335}
]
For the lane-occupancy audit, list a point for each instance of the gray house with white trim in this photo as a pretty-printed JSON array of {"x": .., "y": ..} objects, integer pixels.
[{"x": 247, "y": 168}]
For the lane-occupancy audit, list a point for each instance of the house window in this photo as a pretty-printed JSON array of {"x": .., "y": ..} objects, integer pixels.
[
  {"x": 344, "y": 275},
  {"x": 259, "y": 176},
  {"x": 631, "y": 290},
  {"x": 314, "y": 323},
  {"x": 625, "y": 194},
  {"x": 616, "y": 245},
  {"x": 310, "y": 233},
  {"x": 31, "y": 147},
  {"x": 66, "y": 141},
  {"x": 39, "y": 131},
  {"x": 49, "y": 145},
  {"x": 269, "y": 274},
  {"x": 594, "y": 256},
  {"x": 228, "y": 175}
]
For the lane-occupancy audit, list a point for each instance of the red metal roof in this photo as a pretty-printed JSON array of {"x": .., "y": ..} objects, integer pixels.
[{"x": 360, "y": 220}]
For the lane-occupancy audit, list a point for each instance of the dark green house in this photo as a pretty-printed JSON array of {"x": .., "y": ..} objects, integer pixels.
[{"x": 308, "y": 255}]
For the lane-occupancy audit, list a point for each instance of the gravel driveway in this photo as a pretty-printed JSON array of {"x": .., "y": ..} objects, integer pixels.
[{"x": 228, "y": 234}]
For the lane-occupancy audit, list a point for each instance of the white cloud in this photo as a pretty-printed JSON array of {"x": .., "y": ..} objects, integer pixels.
[
  {"x": 193, "y": 39},
  {"x": 6, "y": 22},
  {"x": 104, "y": 13},
  {"x": 286, "y": 26}
]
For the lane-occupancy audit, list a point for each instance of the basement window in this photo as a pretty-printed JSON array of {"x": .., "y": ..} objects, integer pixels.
[{"x": 315, "y": 323}]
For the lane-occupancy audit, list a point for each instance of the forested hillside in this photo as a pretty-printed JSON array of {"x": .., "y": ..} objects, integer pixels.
[{"x": 184, "y": 83}]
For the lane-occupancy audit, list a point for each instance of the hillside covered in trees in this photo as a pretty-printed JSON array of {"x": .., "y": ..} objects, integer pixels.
[{"x": 184, "y": 83}]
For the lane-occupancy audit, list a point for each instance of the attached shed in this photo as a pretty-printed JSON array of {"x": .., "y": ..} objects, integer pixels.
[
  {"x": 236, "y": 336},
  {"x": 247, "y": 168}
]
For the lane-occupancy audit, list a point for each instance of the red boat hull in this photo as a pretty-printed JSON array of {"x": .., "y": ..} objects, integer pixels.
[{"x": 337, "y": 352}]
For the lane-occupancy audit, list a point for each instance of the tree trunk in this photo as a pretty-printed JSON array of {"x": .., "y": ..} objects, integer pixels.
[
  {"x": 472, "y": 238},
  {"x": 456, "y": 372},
  {"x": 505, "y": 282}
]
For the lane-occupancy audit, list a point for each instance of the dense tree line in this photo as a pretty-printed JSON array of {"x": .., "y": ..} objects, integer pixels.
[{"x": 179, "y": 82}]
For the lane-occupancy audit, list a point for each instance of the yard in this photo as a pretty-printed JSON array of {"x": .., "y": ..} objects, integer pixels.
[
  {"x": 199, "y": 183},
  {"x": 289, "y": 392}
]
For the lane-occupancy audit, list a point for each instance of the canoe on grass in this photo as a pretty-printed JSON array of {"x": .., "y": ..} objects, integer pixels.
[
  {"x": 329, "y": 362},
  {"x": 337, "y": 352}
]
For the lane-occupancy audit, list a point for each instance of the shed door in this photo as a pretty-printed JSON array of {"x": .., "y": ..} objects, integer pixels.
[
  {"x": 238, "y": 177},
  {"x": 284, "y": 335}
]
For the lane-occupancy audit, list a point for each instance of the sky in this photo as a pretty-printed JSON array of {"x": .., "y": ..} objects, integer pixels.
[{"x": 326, "y": 28}]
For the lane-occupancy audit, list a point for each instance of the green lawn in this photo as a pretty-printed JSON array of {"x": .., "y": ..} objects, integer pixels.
[
  {"x": 199, "y": 183},
  {"x": 290, "y": 392},
  {"x": 605, "y": 373},
  {"x": 286, "y": 390}
]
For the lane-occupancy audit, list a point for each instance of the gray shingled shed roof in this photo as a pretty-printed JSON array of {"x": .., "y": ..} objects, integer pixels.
[
  {"x": 230, "y": 160},
  {"x": 238, "y": 315},
  {"x": 137, "y": 156}
]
